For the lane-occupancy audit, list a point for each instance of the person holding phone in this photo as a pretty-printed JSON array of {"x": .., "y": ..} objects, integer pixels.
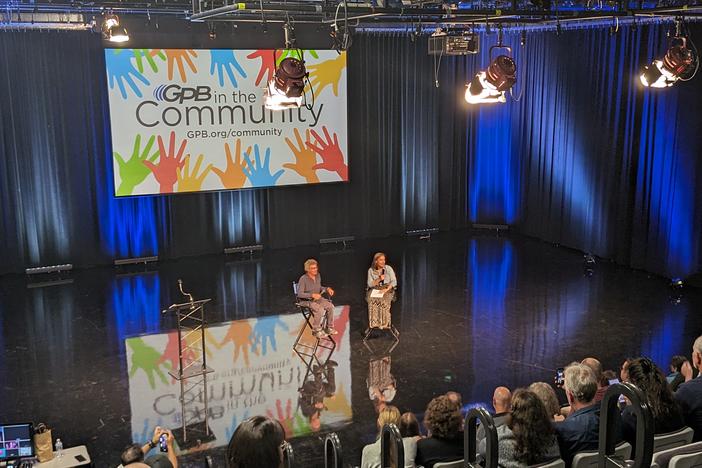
[
  {"x": 382, "y": 279},
  {"x": 134, "y": 455}
]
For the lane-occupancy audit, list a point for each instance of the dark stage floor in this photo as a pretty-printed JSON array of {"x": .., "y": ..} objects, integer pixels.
[{"x": 90, "y": 356}]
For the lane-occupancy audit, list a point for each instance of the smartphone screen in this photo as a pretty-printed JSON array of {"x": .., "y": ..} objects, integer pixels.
[
  {"x": 163, "y": 442},
  {"x": 559, "y": 378}
]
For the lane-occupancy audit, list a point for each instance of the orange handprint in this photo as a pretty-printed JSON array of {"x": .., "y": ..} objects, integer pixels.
[
  {"x": 305, "y": 157},
  {"x": 177, "y": 57},
  {"x": 285, "y": 418},
  {"x": 240, "y": 335},
  {"x": 267, "y": 63},
  {"x": 329, "y": 150},
  {"x": 233, "y": 176},
  {"x": 168, "y": 164},
  {"x": 327, "y": 73},
  {"x": 191, "y": 181}
]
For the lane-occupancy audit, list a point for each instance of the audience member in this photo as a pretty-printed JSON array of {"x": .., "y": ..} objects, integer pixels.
[
  {"x": 257, "y": 442},
  {"x": 409, "y": 426},
  {"x": 667, "y": 416},
  {"x": 134, "y": 455},
  {"x": 502, "y": 403},
  {"x": 528, "y": 437},
  {"x": 623, "y": 373},
  {"x": 445, "y": 441},
  {"x": 675, "y": 378},
  {"x": 580, "y": 430},
  {"x": 370, "y": 458},
  {"x": 611, "y": 376},
  {"x": 602, "y": 383},
  {"x": 548, "y": 397},
  {"x": 689, "y": 394}
]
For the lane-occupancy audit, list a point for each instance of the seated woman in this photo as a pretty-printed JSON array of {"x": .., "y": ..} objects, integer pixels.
[
  {"x": 381, "y": 277},
  {"x": 548, "y": 397},
  {"x": 257, "y": 442},
  {"x": 667, "y": 414},
  {"x": 444, "y": 443},
  {"x": 528, "y": 438},
  {"x": 370, "y": 457}
]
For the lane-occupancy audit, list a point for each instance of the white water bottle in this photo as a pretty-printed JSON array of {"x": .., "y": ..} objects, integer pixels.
[{"x": 59, "y": 448}]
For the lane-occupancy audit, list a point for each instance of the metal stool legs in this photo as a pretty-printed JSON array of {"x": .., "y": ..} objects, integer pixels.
[{"x": 309, "y": 353}]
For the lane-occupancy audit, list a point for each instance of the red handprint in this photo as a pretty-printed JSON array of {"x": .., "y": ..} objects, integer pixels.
[
  {"x": 166, "y": 173},
  {"x": 267, "y": 63},
  {"x": 285, "y": 418},
  {"x": 332, "y": 157}
]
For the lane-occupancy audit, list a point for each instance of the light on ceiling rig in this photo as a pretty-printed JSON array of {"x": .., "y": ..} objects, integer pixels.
[
  {"x": 490, "y": 85},
  {"x": 680, "y": 62},
  {"x": 112, "y": 30},
  {"x": 287, "y": 87}
]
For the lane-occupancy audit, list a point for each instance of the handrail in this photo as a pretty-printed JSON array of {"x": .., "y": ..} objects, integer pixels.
[
  {"x": 390, "y": 437},
  {"x": 469, "y": 442},
  {"x": 333, "y": 456},
  {"x": 609, "y": 430}
]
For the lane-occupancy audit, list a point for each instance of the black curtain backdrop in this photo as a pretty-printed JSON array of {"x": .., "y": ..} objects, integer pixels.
[{"x": 585, "y": 158}]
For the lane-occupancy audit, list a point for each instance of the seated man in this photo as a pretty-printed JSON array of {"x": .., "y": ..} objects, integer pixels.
[
  {"x": 310, "y": 290},
  {"x": 602, "y": 383},
  {"x": 689, "y": 394},
  {"x": 133, "y": 455},
  {"x": 580, "y": 430},
  {"x": 502, "y": 402}
]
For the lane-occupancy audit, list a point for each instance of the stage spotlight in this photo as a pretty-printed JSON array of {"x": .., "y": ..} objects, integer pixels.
[
  {"x": 490, "y": 85},
  {"x": 679, "y": 63},
  {"x": 112, "y": 30},
  {"x": 286, "y": 89}
]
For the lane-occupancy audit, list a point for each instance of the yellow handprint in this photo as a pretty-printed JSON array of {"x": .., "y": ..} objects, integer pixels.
[
  {"x": 305, "y": 157},
  {"x": 192, "y": 182},
  {"x": 327, "y": 73}
]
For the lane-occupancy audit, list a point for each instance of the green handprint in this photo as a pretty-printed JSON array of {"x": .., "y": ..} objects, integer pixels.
[
  {"x": 133, "y": 171},
  {"x": 294, "y": 53},
  {"x": 148, "y": 54},
  {"x": 146, "y": 358}
]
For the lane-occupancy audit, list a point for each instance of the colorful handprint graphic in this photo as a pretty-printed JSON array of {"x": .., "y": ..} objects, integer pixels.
[
  {"x": 327, "y": 73},
  {"x": 267, "y": 64},
  {"x": 166, "y": 172},
  {"x": 192, "y": 181},
  {"x": 329, "y": 150},
  {"x": 305, "y": 157},
  {"x": 233, "y": 176},
  {"x": 240, "y": 334},
  {"x": 264, "y": 332},
  {"x": 132, "y": 172},
  {"x": 179, "y": 58},
  {"x": 260, "y": 173},
  {"x": 121, "y": 71},
  {"x": 147, "y": 359},
  {"x": 224, "y": 62},
  {"x": 147, "y": 54}
]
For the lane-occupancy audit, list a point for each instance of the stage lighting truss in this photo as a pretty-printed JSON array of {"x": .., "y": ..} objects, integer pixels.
[
  {"x": 286, "y": 90},
  {"x": 680, "y": 62},
  {"x": 491, "y": 84},
  {"x": 112, "y": 30}
]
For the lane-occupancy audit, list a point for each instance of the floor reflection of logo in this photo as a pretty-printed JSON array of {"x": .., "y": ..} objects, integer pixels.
[{"x": 255, "y": 372}]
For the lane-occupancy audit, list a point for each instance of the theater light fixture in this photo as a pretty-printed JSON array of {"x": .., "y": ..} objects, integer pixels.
[
  {"x": 680, "y": 62},
  {"x": 287, "y": 87},
  {"x": 112, "y": 30},
  {"x": 490, "y": 85}
]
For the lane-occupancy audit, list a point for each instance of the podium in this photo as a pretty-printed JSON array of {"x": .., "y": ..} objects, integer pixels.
[{"x": 192, "y": 362}]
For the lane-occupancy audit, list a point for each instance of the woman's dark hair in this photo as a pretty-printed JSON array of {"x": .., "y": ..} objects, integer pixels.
[
  {"x": 256, "y": 444},
  {"x": 409, "y": 426},
  {"x": 443, "y": 418},
  {"x": 531, "y": 426},
  {"x": 676, "y": 362},
  {"x": 648, "y": 377}
]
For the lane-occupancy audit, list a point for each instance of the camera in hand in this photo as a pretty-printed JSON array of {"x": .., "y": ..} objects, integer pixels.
[
  {"x": 559, "y": 378},
  {"x": 163, "y": 442}
]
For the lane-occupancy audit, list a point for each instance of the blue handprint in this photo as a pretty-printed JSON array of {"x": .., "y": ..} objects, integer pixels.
[
  {"x": 229, "y": 431},
  {"x": 260, "y": 174},
  {"x": 146, "y": 432},
  {"x": 119, "y": 68},
  {"x": 225, "y": 61},
  {"x": 264, "y": 331}
]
